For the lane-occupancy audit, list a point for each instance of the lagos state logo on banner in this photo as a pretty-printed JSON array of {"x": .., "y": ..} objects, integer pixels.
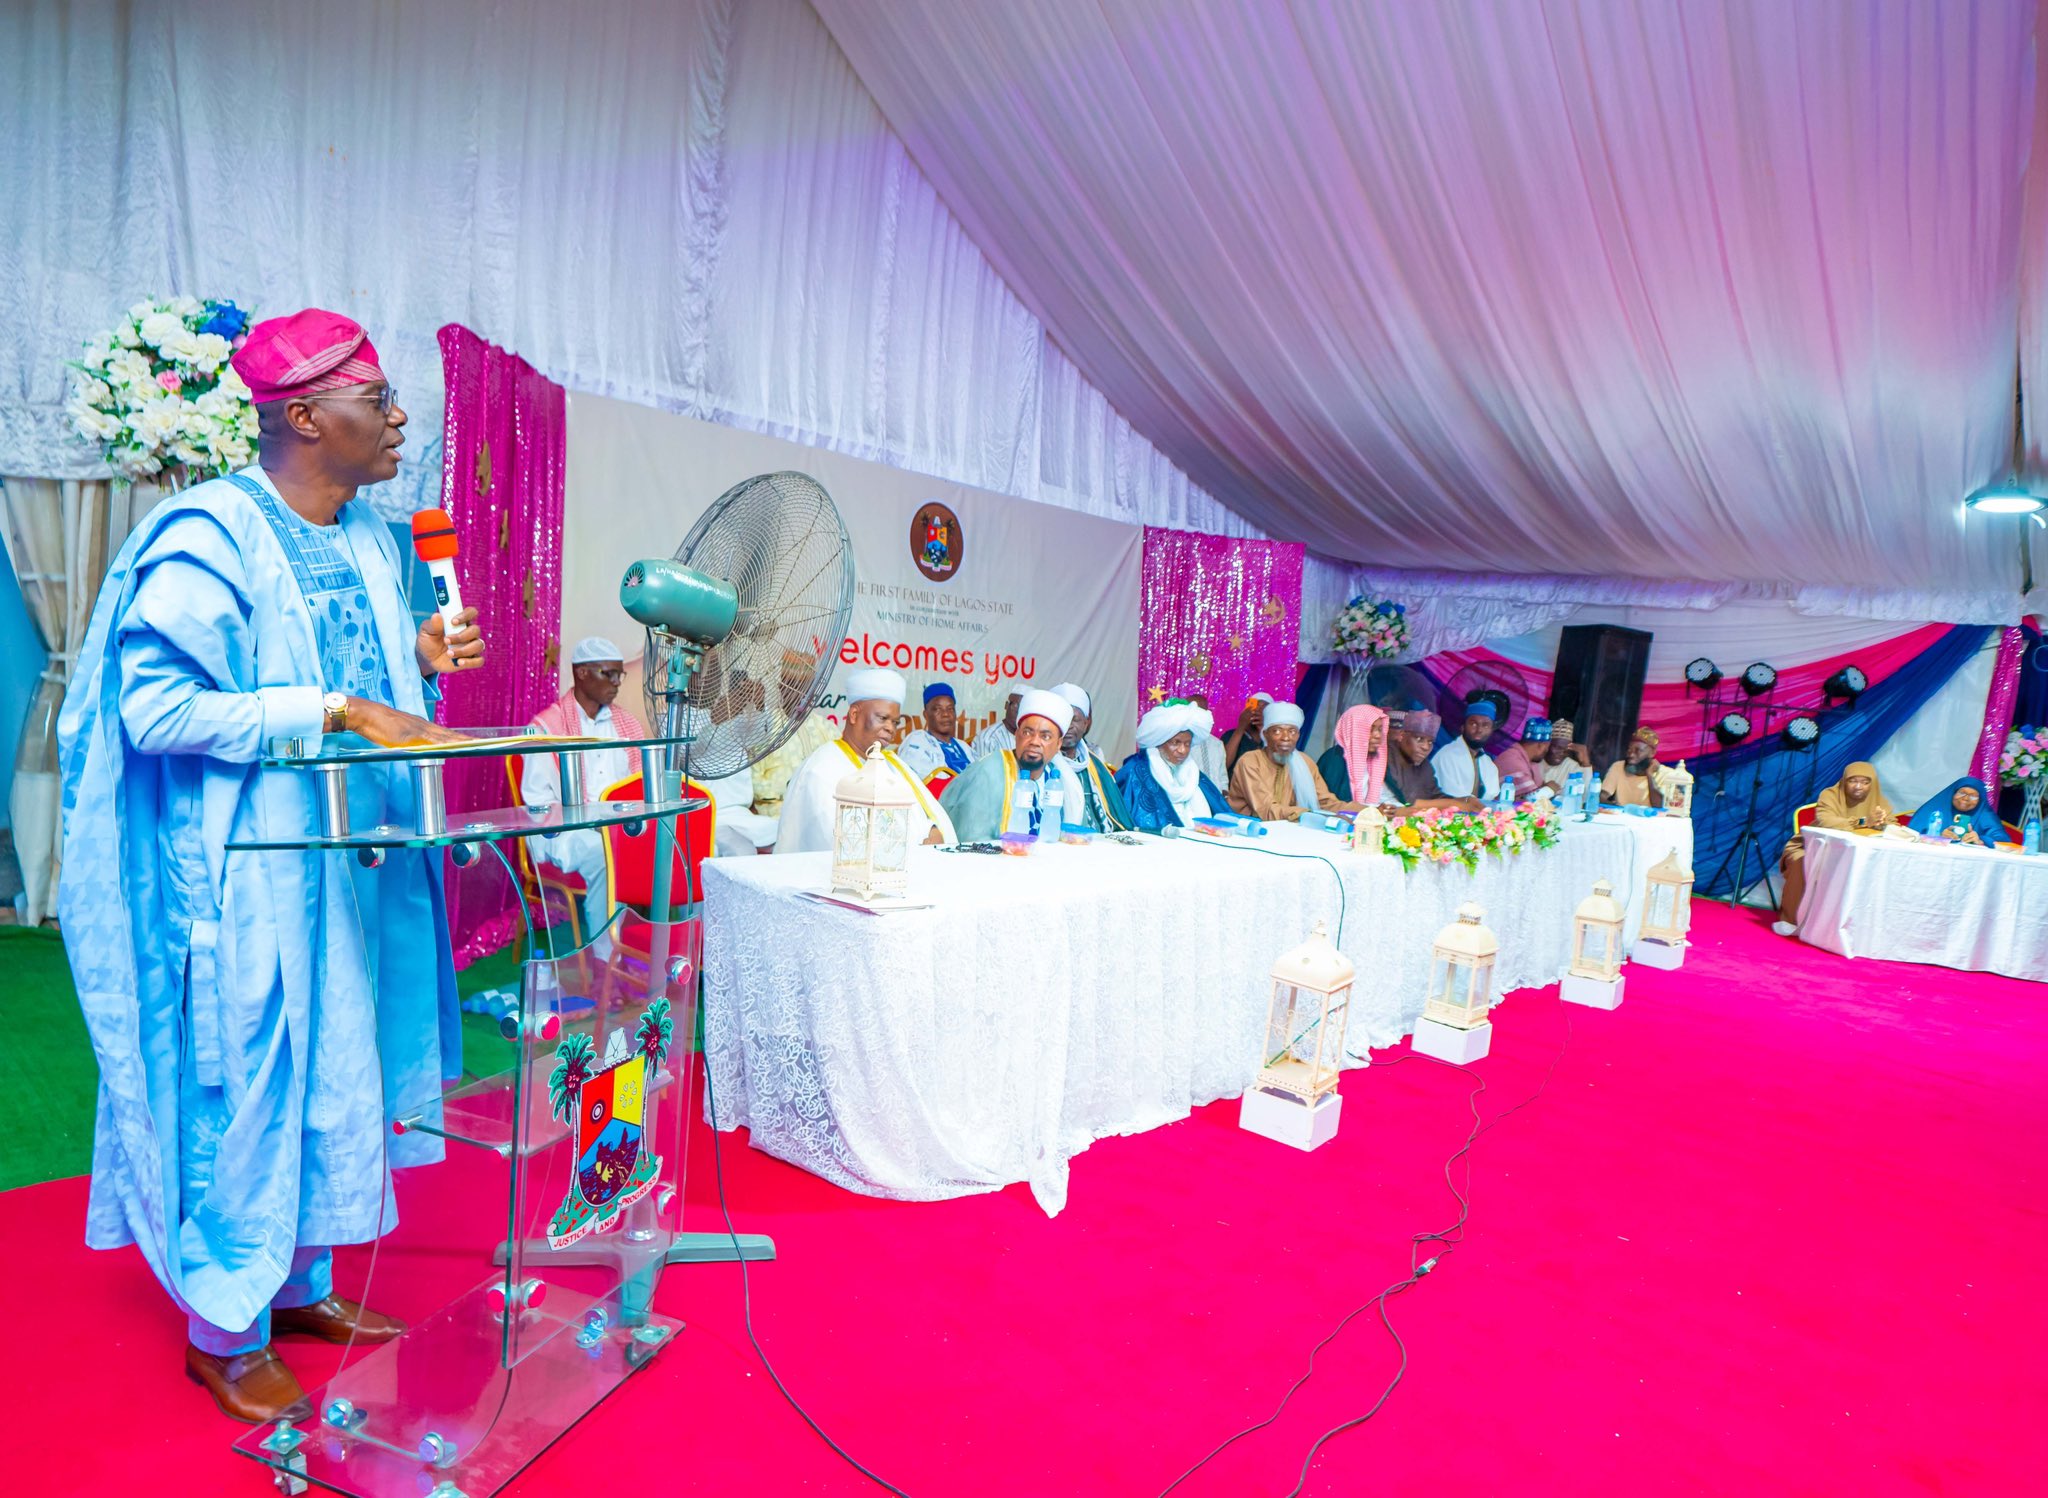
[
  {"x": 937, "y": 544},
  {"x": 606, "y": 1106}
]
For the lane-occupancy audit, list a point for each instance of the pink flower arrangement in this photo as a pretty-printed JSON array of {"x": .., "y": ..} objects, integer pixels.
[
  {"x": 1441, "y": 836},
  {"x": 1364, "y": 631}
]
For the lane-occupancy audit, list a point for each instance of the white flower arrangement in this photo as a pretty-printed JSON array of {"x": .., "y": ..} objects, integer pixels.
[
  {"x": 1365, "y": 631},
  {"x": 157, "y": 395}
]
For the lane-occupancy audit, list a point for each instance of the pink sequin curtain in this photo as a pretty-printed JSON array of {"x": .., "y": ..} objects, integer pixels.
[
  {"x": 2005, "y": 686},
  {"x": 502, "y": 485},
  {"x": 1220, "y": 617}
]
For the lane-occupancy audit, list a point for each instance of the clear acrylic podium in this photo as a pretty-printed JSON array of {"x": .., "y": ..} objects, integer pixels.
[{"x": 581, "y": 1147}]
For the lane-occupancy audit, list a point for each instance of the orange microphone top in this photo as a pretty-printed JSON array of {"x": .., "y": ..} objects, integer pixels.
[{"x": 433, "y": 536}]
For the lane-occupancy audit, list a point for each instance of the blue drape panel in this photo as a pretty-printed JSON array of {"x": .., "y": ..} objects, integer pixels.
[{"x": 1786, "y": 779}]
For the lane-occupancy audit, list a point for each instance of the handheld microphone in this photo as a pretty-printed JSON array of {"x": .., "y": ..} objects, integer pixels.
[{"x": 433, "y": 541}]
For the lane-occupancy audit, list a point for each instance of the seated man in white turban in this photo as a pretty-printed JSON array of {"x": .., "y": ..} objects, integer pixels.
[
  {"x": 874, "y": 704},
  {"x": 1022, "y": 790},
  {"x": 1163, "y": 784},
  {"x": 1276, "y": 783},
  {"x": 1102, "y": 805},
  {"x": 588, "y": 710}
]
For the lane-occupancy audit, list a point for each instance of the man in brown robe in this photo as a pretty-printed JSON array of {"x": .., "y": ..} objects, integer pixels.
[{"x": 1274, "y": 782}]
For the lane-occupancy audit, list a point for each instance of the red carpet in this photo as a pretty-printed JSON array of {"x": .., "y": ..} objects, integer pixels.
[{"x": 1774, "y": 1228}]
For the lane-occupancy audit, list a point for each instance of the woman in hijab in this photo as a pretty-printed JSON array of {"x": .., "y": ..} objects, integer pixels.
[
  {"x": 1162, "y": 785},
  {"x": 1961, "y": 814},
  {"x": 1855, "y": 803},
  {"x": 1355, "y": 766}
]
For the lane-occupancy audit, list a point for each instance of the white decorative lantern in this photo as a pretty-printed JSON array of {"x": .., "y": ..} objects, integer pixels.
[
  {"x": 1369, "y": 831},
  {"x": 1594, "y": 978},
  {"x": 1454, "y": 1025},
  {"x": 1596, "y": 934},
  {"x": 1677, "y": 789},
  {"x": 1667, "y": 914},
  {"x": 1295, "y": 1100},
  {"x": 871, "y": 832}
]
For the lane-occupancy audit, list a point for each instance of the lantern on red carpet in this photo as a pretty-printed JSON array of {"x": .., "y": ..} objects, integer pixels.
[
  {"x": 1596, "y": 934},
  {"x": 871, "y": 831},
  {"x": 1295, "y": 1100},
  {"x": 1677, "y": 789},
  {"x": 1667, "y": 909},
  {"x": 1461, "y": 971}
]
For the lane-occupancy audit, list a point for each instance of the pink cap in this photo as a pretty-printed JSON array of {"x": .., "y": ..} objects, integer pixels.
[{"x": 304, "y": 354}]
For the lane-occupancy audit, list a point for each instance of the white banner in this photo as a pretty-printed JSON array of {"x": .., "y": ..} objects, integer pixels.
[{"x": 952, "y": 583}]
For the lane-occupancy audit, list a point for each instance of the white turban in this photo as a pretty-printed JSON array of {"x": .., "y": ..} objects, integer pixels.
[
  {"x": 874, "y": 685},
  {"x": 1076, "y": 695},
  {"x": 1050, "y": 706},
  {"x": 1282, "y": 715},
  {"x": 596, "y": 648},
  {"x": 1170, "y": 718}
]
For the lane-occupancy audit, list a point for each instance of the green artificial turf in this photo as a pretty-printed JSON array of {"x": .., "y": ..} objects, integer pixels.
[{"x": 49, "y": 1080}]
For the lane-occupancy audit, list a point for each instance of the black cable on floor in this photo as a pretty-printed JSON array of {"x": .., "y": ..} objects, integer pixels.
[
  {"x": 1418, "y": 1270},
  {"x": 747, "y": 1301}
]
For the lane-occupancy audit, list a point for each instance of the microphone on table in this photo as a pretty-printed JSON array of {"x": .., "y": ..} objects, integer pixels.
[{"x": 433, "y": 541}]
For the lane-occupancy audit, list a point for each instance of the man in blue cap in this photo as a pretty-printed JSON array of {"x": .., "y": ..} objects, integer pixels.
[
  {"x": 1463, "y": 767},
  {"x": 936, "y": 746}
]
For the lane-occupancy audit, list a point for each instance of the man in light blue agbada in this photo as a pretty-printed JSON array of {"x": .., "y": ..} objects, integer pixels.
[
  {"x": 1020, "y": 790},
  {"x": 259, "y": 1017}
]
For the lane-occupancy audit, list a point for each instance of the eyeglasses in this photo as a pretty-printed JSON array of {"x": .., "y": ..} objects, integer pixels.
[{"x": 384, "y": 399}]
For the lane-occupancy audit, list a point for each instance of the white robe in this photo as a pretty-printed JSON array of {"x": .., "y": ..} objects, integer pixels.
[
  {"x": 807, "y": 804},
  {"x": 994, "y": 739},
  {"x": 923, "y": 752},
  {"x": 1453, "y": 766}
]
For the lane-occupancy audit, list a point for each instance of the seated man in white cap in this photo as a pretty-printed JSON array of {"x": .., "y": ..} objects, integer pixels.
[
  {"x": 1275, "y": 783},
  {"x": 586, "y": 711},
  {"x": 1023, "y": 789},
  {"x": 997, "y": 737},
  {"x": 874, "y": 704},
  {"x": 1102, "y": 804}
]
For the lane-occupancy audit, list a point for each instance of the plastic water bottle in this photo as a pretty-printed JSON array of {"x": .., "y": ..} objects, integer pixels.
[
  {"x": 1506, "y": 798},
  {"x": 2030, "y": 835}
]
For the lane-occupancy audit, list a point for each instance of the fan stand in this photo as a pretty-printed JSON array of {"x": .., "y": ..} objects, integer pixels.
[{"x": 685, "y": 1248}]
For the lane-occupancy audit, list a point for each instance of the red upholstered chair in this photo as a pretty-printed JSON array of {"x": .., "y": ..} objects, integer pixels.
[
  {"x": 936, "y": 782},
  {"x": 538, "y": 879},
  {"x": 629, "y": 864}
]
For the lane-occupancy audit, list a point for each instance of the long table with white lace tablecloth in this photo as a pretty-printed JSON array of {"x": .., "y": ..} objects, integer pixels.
[
  {"x": 1981, "y": 909},
  {"x": 1042, "y": 1003}
]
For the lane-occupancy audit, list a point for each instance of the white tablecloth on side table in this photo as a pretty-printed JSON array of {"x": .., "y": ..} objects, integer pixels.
[
  {"x": 1046, "y": 1002},
  {"x": 1971, "y": 908}
]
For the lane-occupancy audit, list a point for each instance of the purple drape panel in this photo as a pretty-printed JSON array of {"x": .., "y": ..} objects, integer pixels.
[
  {"x": 502, "y": 485},
  {"x": 1998, "y": 703},
  {"x": 1220, "y": 617}
]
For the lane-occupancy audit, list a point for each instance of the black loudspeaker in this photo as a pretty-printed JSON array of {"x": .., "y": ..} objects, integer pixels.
[{"x": 1599, "y": 686}]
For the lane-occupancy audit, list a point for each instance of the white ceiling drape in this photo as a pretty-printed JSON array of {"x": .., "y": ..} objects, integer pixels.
[
  {"x": 692, "y": 204},
  {"x": 1725, "y": 292}
]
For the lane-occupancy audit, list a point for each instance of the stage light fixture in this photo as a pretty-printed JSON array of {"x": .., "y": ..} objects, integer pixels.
[
  {"x": 1703, "y": 674},
  {"x": 2008, "y": 497},
  {"x": 1732, "y": 729},
  {"x": 1759, "y": 678},
  {"x": 1801, "y": 732},
  {"x": 1847, "y": 684}
]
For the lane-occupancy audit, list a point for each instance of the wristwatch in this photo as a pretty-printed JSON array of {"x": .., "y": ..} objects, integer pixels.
[{"x": 334, "y": 706}]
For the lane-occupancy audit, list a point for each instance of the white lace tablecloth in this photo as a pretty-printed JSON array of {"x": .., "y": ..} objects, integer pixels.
[
  {"x": 1971, "y": 908},
  {"x": 1046, "y": 1002}
]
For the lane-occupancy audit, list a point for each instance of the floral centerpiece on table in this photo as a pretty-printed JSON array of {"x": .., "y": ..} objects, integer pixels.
[
  {"x": 1365, "y": 631},
  {"x": 2024, "y": 761},
  {"x": 156, "y": 394},
  {"x": 1461, "y": 837}
]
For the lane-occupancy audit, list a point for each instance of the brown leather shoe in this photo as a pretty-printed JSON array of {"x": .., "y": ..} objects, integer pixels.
[
  {"x": 254, "y": 1387},
  {"x": 335, "y": 1320}
]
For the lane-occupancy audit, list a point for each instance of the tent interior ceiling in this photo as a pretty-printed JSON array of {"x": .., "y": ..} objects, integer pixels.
[{"x": 1719, "y": 292}]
